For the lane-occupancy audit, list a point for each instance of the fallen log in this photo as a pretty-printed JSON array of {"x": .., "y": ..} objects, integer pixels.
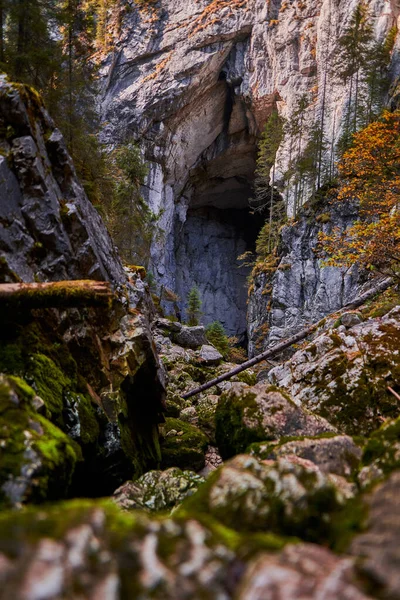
[
  {"x": 59, "y": 294},
  {"x": 298, "y": 337}
]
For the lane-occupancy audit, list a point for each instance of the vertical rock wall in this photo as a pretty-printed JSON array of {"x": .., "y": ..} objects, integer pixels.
[{"x": 195, "y": 84}]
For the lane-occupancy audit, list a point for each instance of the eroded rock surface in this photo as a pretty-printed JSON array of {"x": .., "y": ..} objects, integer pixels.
[
  {"x": 378, "y": 547},
  {"x": 344, "y": 374},
  {"x": 301, "y": 572},
  {"x": 157, "y": 490},
  {"x": 332, "y": 453},
  {"x": 253, "y": 414}
]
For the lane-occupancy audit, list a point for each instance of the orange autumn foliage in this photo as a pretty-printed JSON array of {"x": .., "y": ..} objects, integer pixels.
[{"x": 370, "y": 175}]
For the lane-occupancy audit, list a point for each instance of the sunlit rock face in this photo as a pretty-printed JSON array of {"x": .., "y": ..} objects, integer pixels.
[{"x": 195, "y": 82}]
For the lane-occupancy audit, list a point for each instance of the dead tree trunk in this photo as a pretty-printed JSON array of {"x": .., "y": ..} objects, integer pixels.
[
  {"x": 59, "y": 294},
  {"x": 301, "y": 335}
]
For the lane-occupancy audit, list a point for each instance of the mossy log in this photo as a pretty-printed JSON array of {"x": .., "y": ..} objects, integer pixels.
[
  {"x": 298, "y": 337},
  {"x": 59, "y": 294}
]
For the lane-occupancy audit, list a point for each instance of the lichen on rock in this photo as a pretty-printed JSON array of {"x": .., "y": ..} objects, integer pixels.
[
  {"x": 344, "y": 374},
  {"x": 253, "y": 414},
  {"x": 158, "y": 490}
]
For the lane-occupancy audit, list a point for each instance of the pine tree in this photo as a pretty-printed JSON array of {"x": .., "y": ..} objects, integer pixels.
[
  {"x": 265, "y": 192},
  {"x": 352, "y": 58},
  {"x": 30, "y": 52},
  {"x": 128, "y": 217},
  {"x": 215, "y": 333},
  {"x": 193, "y": 310}
]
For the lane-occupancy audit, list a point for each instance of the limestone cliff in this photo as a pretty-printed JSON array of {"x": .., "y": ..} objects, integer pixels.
[
  {"x": 96, "y": 386},
  {"x": 195, "y": 83}
]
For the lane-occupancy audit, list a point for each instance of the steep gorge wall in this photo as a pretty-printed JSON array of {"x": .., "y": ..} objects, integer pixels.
[{"x": 195, "y": 83}]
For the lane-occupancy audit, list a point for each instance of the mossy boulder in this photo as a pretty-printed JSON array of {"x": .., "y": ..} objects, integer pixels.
[
  {"x": 290, "y": 496},
  {"x": 344, "y": 375},
  {"x": 182, "y": 445},
  {"x": 92, "y": 549},
  {"x": 332, "y": 453},
  {"x": 158, "y": 490},
  {"x": 253, "y": 414},
  {"x": 381, "y": 454},
  {"x": 305, "y": 571},
  {"x": 37, "y": 459},
  {"x": 377, "y": 546}
]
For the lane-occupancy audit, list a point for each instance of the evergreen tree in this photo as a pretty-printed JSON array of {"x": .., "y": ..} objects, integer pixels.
[
  {"x": 298, "y": 132},
  {"x": 31, "y": 53},
  {"x": 128, "y": 217},
  {"x": 215, "y": 333},
  {"x": 193, "y": 310},
  {"x": 266, "y": 195},
  {"x": 352, "y": 59}
]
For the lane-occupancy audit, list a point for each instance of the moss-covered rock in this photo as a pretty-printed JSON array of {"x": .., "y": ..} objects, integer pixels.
[
  {"x": 158, "y": 490},
  {"x": 377, "y": 546},
  {"x": 332, "y": 453},
  {"x": 344, "y": 374},
  {"x": 182, "y": 445},
  {"x": 290, "y": 496},
  {"x": 95, "y": 550},
  {"x": 252, "y": 414},
  {"x": 37, "y": 459},
  {"x": 301, "y": 571},
  {"x": 381, "y": 453}
]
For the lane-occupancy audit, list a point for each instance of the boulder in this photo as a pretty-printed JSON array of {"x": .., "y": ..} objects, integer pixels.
[
  {"x": 350, "y": 319},
  {"x": 190, "y": 337},
  {"x": 377, "y": 550},
  {"x": 381, "y": 454},
  {"x": 253, "y": 414},
  {"x": 37, "y": 459},
  {"x": 182, "y": 445},
  {"x": 157, "y": 490},
  {"x": 344, "y": 374},
  {"x": 331, "y": 453},
  {"x": 301, "y": 571},
  {"x": 91, "y": 549},
  {"x": 289, "y": 496},
  {"x": 209, "y": 356}
]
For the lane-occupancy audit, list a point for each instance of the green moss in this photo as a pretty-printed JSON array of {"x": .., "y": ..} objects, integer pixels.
[
  {"x": 36, "y": 457},
  {"x": 231, "y": 435},
  {"x": 186, "y": 448},
  {"x": 247, "y": 377},
  {"x": 50, "y": 383},
  {"x": 383, "y": 447}
]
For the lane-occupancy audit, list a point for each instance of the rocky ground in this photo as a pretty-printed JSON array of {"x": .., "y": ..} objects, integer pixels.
[
  {"x": 261, "y": 493},
  {"x": 282, "y": 483}
]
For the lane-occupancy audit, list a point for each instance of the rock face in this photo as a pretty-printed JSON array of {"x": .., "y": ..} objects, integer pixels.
[
  {"x": 48, "y": 228},
  {"x": 344, "y": 374},
  {"x": 299, "y": 290},
  {"x": 95, "y": 371},
  {"x": 195, "y": 84},
  {"x": 250, "y": 414}
]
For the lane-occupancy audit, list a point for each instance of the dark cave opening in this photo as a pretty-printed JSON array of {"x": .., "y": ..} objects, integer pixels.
[{"x": 219, "y": 227}]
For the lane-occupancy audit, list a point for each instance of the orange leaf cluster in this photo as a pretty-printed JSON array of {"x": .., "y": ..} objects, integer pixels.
[{"x": 370, "y": 174}]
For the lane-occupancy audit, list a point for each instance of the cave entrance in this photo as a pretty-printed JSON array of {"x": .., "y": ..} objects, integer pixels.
[
  {"x": 218, "y": 228},
  {"x": 216, "y": 225}
]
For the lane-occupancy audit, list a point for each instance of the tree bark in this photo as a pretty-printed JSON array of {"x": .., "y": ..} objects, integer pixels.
[{"x": 298, "y": 337}]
